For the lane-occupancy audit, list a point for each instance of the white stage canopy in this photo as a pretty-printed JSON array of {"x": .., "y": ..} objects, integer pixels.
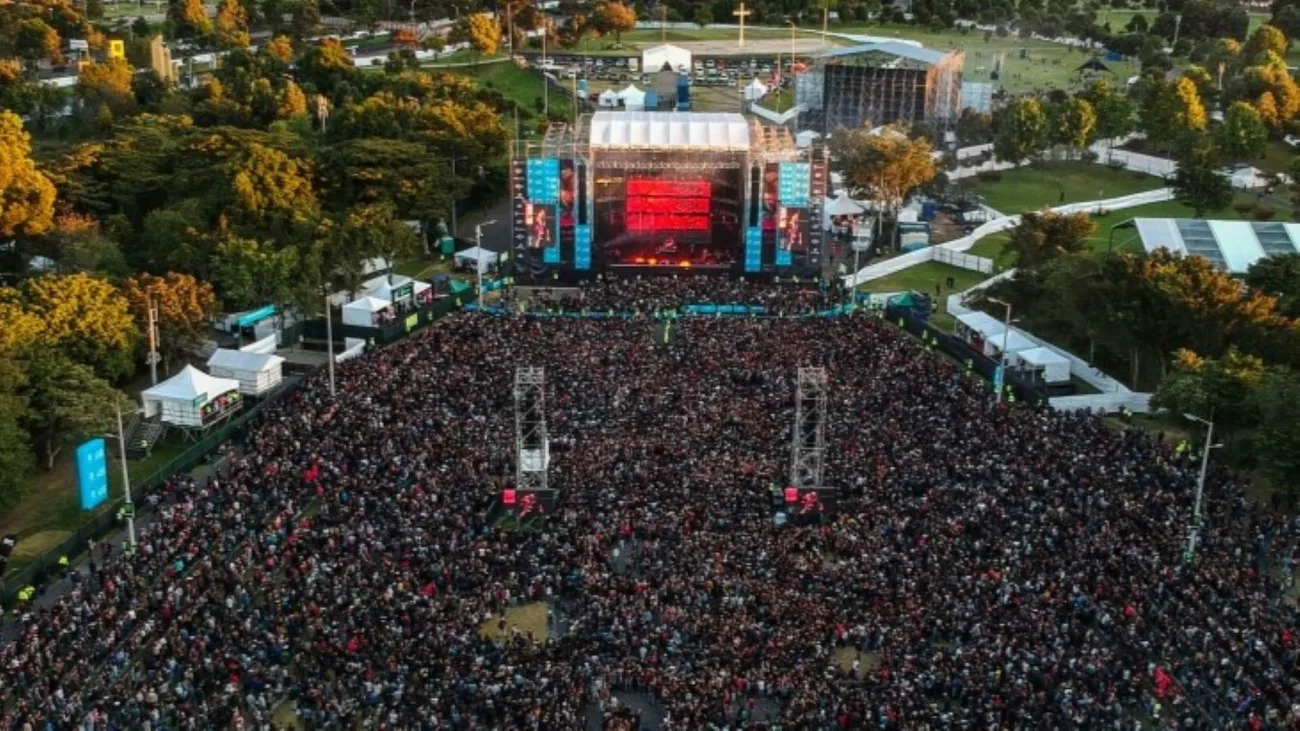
[
  {"x": 669, "y": 131},
  {"x": 188, "y": 397},
  {"x": 1055, "y": 367},
  {"x": 677, "y": 58},
  {"x": 484, "y": 258},
  {"x": 256, "y": 373}
]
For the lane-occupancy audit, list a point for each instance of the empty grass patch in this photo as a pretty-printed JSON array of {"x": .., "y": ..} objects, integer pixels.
[
  {"x": 868, "y": 661},
  {"x": 527, "y": 618}
]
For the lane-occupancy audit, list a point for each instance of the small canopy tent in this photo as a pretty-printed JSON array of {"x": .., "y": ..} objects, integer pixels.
[
  {"x": 256, "y": 373},
  {"x": 609, "y": 98},
  {"x": 476, "y": 256},
  {"x": 367, "y": 312},
  {"x": 754, "y": 91},
  {"x": 976, "y": 327},
  {"x": 843, "y": 205},
  {"x": 1054, "y": 367},
  {"x": 1015, "y": 343},
  {"x": 396, "y": 288},
  {"x": 633, "y": 98},
  {"x": 806, "y": 138},
  {"x": 191, "y": 398}
]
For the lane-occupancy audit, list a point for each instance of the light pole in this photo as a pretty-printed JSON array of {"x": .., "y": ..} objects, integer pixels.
[
  {"x": 126, "y": 482},
  {"x": 329, "y": 337},
  {"x": 1195, "y": 527},
  {"x": 999, "y": 380},
  {"x": 478, "y": 260}
]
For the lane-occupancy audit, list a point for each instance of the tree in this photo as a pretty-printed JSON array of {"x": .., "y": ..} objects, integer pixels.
[
  {"x": 15, "y": 457},
  {"x": 1199, "y": 181},
  {"x": 1075, "y": 124},
  {"x": 1040, "y": 237},
  {"x": 140, "y": 28},
  {"x": 83, "y": 318},
  {"x": 253, "y": 273},
  {"x": 1242, "y": 135},
  {"x": 106, "y": 86},
  {"x": 280, "y": 49},
  {"x": 26, "y": 195},
  {"x": 887, "y": 166},
  {"x": 1114, "y": 111},
  {"x": 1287, "y": 20},
  {"x": 1019, "y": 131},
  {"x": 306, "y": 19},
  {"x": 482, "y": 33},
  {"x": 232, "y": 25},
  {"x": 326, "y": 65},
  {"x": 185, "y": 308},
  {"x": 1137, "y": 24},
  {"x": 974, "y": 127},
  {"x": 1219, "y": 387},
  {"x": 1278, "y": 276},
  {"x": 36, "y": 40},
  {"x": 67, "y": 402},
  {"x": 1170, "y": 112},
  {"x": 1276, "y": 439},
  {"x": 189, "y": 19},
  {"x": 95, "y": 9},
  {"x": 614, "y": 17},
  {"x": 1265, "y": 39},
  {"x": 703, "y": 16},
  {"x": 267, "y": 182}
]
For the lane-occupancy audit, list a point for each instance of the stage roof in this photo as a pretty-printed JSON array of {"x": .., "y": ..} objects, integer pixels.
[
  {"x": 669, "y": 131},
  {"x": 904, "y": 50},
  {"x": 1230, "y": 245}
]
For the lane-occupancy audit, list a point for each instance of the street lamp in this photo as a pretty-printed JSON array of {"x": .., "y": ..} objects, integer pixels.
[
  {"x": 1002, "y": 355},
  {"x": 478, "y": 260},
  {"x": 126, "y": 480},
  {"x": 1194, "y": 528}
]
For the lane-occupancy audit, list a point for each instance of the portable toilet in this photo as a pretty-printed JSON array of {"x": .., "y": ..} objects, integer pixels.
[{"x": 683, "y": 93}]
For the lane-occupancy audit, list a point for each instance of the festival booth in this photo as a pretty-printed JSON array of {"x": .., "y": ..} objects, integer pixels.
[
  {"x": 608, "y": 99},
  {"x": 368, "y": 312},
  {"x": 977, "y": 327},
  {"x": 633, "y": 99},
  {"x": 1014, "y": 342},
  {"x": 806, "y": 138},
  {"x": 754, "y": 91},
  {"x": 474, "y": 257},
  {"x": 257, "y": 373},
  {"x": 1044, "y": 364},
  {"x": 398, "y": 289},
  {"x": 192, "y": 399}
]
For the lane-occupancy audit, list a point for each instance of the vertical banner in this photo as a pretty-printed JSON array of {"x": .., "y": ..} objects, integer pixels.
[
  {"x": 793, "y": 190},
  {"x": 795, "y": 184},
  {"x": 783, "y": 256},
  {"x": 519, "y": 222},
  {"x": 544, "y": 197},
  {"x": 568, "y": 215},
  {"x": 92, "y": 473},
  {"x": 816, "y": 214},
  {"x": 753, "y": 249},
  {"x": 582, "y": 247}
]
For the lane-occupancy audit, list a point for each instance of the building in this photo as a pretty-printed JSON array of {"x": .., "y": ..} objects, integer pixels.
[
  {"x": 1230, "y": 245},
  {"x": 160, "y": 60},
  {"x": 881, "y": 83}
]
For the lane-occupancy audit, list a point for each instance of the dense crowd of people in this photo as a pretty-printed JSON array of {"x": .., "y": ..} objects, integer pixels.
[
  {"x": 655, "y": 294},
  {"x": 1008, "y": 567}
]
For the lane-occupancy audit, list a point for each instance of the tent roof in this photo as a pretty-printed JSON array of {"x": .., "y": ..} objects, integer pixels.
[
  {"x": 1230, "y": 245},
  {"x": 1015, "y": 342},
  {"x": 843, "y": 205},
  {"x": 243, "y": 361},
  {"x": 893, "y": 48},
  {"x": 475, "y": 253},
  {"x": 368, "y": 304},
  {"x": 981, "y": 323},
  {"x": 609, "y": 94},
  {"x": 189, "y": 384},
  {"x": 669, "y": 131},
  {"x": 1041, "y": 356},
  {"x": 1093, "y": 64},
  {"x": 756, "y": 84}
]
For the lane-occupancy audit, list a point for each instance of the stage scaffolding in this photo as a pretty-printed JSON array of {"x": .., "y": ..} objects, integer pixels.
[
  {"x": 878, "y": 87},
  {"x": 808, "y": 456},
  {"x": 532, "y": 447}
]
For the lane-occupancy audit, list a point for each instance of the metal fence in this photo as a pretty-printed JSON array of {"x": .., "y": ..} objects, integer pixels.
[{"x": 958, "y": 259}]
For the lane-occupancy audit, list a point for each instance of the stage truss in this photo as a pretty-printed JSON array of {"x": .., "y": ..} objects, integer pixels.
[
  {"x": 532, "y": 448},
  {"x": 808, "y": 456}
]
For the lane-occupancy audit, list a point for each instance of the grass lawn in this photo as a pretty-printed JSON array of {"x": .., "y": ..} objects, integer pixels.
[
  {"x": 922, "y": 278},
  {"x": 52, "y": 510},
  {"x": 634, "y": 41},
  {"x": 519, "y": 85},
  {"x": 779, "y": 101},
  {"x": 1031, "y": 188},
  {"x": 529, "y": 618},
  {"x": 1277, "y": 157},
  {"x": 844, "y": 657},
  {"x": 424, "y": 269}
]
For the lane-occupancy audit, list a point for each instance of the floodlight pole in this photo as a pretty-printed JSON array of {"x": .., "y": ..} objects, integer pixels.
[
  {"x": 478, "y": 261},
  {"x": 126, "y": 480},
  {"x": 329, "y": 345},
  {"x": 1002, "y": 356},
  {"x": 1194, "y": 528},
  {"x": 153, "y": 342}
]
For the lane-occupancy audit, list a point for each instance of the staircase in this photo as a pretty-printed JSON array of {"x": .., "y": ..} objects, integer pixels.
[{"x": 141, "y": 436}]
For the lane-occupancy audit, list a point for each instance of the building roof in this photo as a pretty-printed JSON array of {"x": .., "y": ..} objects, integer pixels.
[
  {"x": 669, "y": 131},
  {"x": 915, "y": 53},
  {"x": 1230, "y": 245}
]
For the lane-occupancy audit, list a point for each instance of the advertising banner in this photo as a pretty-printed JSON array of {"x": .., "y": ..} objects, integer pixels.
[{"x": 92, "y": 473}]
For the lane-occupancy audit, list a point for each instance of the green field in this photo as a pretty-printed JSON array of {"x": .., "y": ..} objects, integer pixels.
[
  {"x": 1053, "y": 184},
  {"x": 523, "y": 87},
  {"x": 1118, "y": 19},
  {"x": 924, "y": 278}
]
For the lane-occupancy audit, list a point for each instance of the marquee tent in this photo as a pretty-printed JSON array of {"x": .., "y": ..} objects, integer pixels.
[
  {"x": 609, "y": 98},
  {"x": 755, "y": 91},
  {"x": 256, "y": 373},
  {"x": 677, "y": 58},
  {"x": 190, "y": 398},
  {"x": 714, "y": 131},
  {"x": 633, "y": 98},
  {"x": 979, "y": 323},
  {"x": 1054, "y": 366},
  {"x": 475, "y": 255},
  {"x": 365, "y": 312}
]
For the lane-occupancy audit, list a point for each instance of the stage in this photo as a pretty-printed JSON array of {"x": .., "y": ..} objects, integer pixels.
[{"x": 666, "y": 192}]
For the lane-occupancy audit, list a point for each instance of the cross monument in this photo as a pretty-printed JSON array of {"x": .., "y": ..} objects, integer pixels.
[{"x": 741, "y": 13}]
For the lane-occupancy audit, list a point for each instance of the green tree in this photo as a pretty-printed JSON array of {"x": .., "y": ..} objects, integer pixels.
[
  {"x": 95, "y": 9},
  {"x": 1040, "y": 237},
  {"x": 306, "y": 18},
  {"x": 26, "y": 195},
  {"x": 67, "y": 403},
  {"x": 1020, "y": 131},
  {"x": 232, "y": 25},
  {"x": 1276, "y": 439},
  {"x": 1242, "y": 135},
  {"x": 15, "y": 456},
  {"x": 188, "y": 19},
  {"x": 703, "y": 16},
  {"x": 1220, "y": 387},
  {"x": 326, "y": 65},
  {"x": 251, "y": 273},
  {"x": 886, "y": 166},
  {"x": 1265, "y": 39},
  {"x": 1199, "y": 181},
  {"x": 36, "y": 40},
  {"x": 1278, "y": 276},
  {"x": 974, "y": 127},
  {"x": 1075, "y": 124},
  {"x": 140, "y": 28}
]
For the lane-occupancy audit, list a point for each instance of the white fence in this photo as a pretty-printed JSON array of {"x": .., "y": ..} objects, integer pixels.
[
  {"x": 958, "y": 259},
  {"x": 777, "y": 117}
]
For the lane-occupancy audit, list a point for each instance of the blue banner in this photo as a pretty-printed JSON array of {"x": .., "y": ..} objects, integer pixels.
[
  {"x": 753, "y": 249},
  {"x": 582, "y": 247},
  {"x": 783, "y": 257},
  {"x": 256, "y": 316},
  {"x": 544, "y": 179},
  {"x": 794, "y": 183},
  {"x": 92, "y": 473}
]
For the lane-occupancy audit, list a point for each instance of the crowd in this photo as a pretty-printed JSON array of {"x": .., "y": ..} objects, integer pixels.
[
  {"x": 666, "y": 293},
  {"x": 1008, "y": 567}
]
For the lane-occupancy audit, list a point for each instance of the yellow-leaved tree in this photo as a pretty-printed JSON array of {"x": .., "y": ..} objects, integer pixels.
[
  {"x": 26, "y": 195},
  {"x": 184, "y": 306}
]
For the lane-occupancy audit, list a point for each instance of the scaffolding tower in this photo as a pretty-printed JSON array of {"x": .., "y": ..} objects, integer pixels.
[
  {"x": 808, "y": 458},
  {"x": 532, "y": 447}
]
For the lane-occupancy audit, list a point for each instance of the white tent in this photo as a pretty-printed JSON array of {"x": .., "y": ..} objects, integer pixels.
[
  {"x": 474, "y": 255},
  {"x": 393, "y": 288},
  {"x": 633, "y": 98},
  {"x": 979, "y": 324},
  {"x": 755, "y": 91},
  {"x": 256, "y": 373},
  {"x": 806, "y": 138},
  {"x": 1015, "y": 343},
  {"x": 609, "y": 98},
  {"x": 423, "y": 293},
  {"x": 268, "y": 344},
  {"x": 712, "y": 131},
  {"x": 1054, "y": 366},
  {"x": 677, "y": 58},
  {"x": 190, "y": 398},
  {"x": 843, "y": 205},
  {"x": 365, "y": 312}
]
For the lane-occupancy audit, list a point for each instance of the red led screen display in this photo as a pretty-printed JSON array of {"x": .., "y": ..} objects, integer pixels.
[
  {"x": 668, "y": 188},
  {"x": 668, "y": 205},
  {"x": 667, "y": 222}
]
